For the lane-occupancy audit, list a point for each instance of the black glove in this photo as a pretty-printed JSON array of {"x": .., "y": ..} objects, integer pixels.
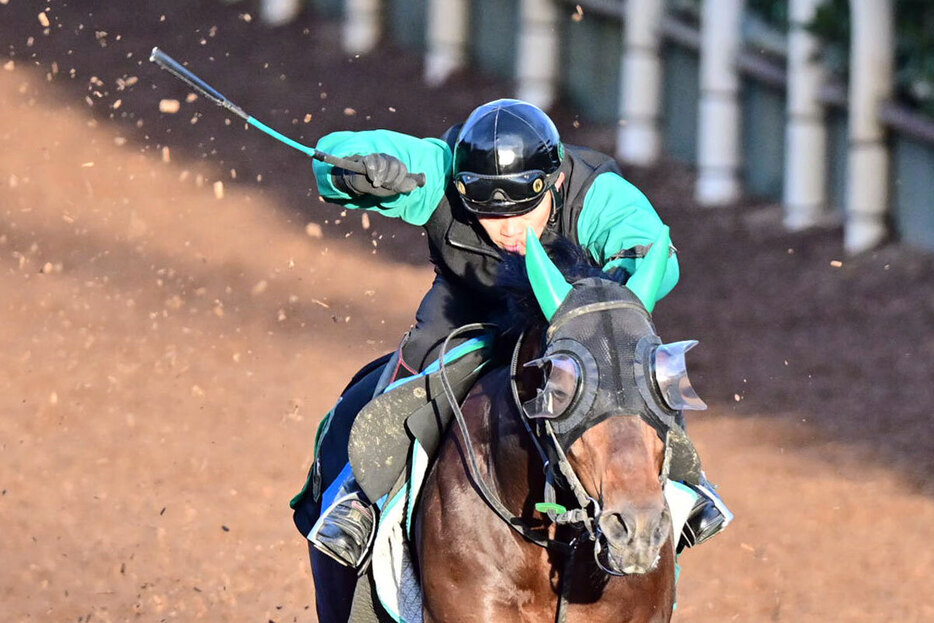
[{"x": 385, "y": 176}]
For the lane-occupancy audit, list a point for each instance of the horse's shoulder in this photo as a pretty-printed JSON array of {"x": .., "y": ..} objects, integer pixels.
[
  {"x": 493, "y": 382},
  {"x": 491, "y": 391}
]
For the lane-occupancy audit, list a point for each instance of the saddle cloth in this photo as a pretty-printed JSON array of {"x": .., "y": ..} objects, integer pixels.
[{"x": 393, "y": 567}]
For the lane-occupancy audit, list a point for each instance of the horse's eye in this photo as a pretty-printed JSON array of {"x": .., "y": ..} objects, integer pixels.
[{"x": 561, "y": 381}]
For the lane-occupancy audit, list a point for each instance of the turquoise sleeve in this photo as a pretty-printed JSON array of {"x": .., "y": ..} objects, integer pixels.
[
  {"x": 617, "y": 216},
  {"x": 430, "y": 156}
]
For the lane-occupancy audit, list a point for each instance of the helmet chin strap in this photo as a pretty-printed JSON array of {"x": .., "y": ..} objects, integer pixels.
[{"x": 557, "y": 202}]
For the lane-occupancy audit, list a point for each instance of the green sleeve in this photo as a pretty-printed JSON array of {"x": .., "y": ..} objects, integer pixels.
[
  {"x": 617, "y": 216},
  {"x": 430, "y": 156}
]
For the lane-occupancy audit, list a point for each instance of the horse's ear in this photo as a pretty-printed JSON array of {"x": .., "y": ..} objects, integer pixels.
[
  {"x": 548, "y": 283},
  {"x": 648, "y": 277}
]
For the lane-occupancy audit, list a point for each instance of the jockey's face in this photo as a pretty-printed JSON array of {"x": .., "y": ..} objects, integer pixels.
[{"x": 508, "y": 232}]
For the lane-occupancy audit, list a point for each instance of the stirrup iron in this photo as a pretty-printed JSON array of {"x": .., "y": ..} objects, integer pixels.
[
  {"x": 698, "y": 510},
  {"x": 346, "y": 528},
  {"x": 708, "y": 517}
]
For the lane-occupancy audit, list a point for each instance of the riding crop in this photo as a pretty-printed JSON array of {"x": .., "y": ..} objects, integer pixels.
[{"x": 175, "y": 68}]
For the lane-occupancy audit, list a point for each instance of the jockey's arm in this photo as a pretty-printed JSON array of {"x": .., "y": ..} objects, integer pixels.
[
  {"x": 430, "y": 156},
  {"x": 617, "y": 224}
]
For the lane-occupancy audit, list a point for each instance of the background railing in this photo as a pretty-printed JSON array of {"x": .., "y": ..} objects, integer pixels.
[{"x": 823, "y": 105}]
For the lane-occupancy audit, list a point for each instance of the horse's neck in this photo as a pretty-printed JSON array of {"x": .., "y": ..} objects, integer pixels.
[{"x": 513, "y": 462}]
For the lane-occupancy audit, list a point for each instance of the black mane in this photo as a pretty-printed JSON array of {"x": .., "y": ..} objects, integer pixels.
[{"x": 522, "y": 310}]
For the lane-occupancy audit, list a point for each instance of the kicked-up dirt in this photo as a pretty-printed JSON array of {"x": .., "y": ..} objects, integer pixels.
[{"x": 179, "y": 310}]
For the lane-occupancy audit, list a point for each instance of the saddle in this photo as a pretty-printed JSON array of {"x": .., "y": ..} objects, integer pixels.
[{"x": 411, "y": 409}]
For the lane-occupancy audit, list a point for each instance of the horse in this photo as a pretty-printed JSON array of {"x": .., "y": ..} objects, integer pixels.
[
  {"x": 580, "y": 397},
  {"x": 546, "y": 500}
]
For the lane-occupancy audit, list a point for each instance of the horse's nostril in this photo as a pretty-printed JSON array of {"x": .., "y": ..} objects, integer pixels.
[
  {"x": 614, "y": 527},
  {"x": 662, "y": 528}
]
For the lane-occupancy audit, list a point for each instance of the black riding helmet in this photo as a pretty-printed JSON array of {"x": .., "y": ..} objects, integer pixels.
[{"x": 506, "y": 157}]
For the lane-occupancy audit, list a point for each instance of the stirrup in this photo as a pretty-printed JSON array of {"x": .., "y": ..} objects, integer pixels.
[
  {"x": 345, "y": 530},
  {"x": 346, "y": 527},
  {"x": 708, "y": 517}
]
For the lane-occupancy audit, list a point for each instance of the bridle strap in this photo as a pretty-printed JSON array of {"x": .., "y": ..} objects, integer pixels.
[
  {"x": 513, "y": 367},
  {"x": 592, "y": 308},
  {"x": 583, "y": 498},
  {"x": 577, "y": 515},
  {"x": 488, "y": 496}
]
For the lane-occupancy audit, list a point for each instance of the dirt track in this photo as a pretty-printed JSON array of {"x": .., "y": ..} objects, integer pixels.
[{"x": 166, "y": 354}]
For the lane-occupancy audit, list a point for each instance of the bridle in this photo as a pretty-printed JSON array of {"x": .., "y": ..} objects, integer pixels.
[
  {"x": 491, "y": 499},
  {"x": 558, "y": 471}
]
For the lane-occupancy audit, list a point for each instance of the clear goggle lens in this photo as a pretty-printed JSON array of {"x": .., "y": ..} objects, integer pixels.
[
  {"x": 671, "y": 375},
  {"x": 562, "y": 378}
]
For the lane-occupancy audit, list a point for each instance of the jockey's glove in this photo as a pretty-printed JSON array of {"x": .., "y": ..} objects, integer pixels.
[{"x": 385, "y": 176}]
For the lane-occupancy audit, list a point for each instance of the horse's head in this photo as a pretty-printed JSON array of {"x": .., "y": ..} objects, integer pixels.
[{"x": 602, "y": 358}]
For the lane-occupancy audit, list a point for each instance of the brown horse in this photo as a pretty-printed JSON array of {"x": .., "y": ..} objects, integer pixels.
[{"x": 580, "y": 415}]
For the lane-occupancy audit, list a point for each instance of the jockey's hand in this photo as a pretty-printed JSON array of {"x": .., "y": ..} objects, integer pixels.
[{"x": 385, "y": 176}]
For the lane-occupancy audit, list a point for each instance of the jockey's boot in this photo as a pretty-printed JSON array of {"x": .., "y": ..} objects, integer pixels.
[
  {"x": 345, "y": 529},
  {"x": 707, "y": 517}
]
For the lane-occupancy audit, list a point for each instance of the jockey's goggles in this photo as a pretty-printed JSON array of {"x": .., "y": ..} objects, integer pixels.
[{"x": 503, "y": 195}]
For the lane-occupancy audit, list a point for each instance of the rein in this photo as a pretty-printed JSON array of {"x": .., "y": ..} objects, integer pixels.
[
  {"x": 587, "y": 515},
  {"x": 579, "y": 515},
  {"x": 588, "y": 512}
]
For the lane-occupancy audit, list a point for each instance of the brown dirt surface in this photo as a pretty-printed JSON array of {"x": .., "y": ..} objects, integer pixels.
[{"x": 166, "y": 350}]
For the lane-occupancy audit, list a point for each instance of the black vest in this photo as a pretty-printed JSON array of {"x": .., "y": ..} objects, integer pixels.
[{"x": 462, "y": 252}]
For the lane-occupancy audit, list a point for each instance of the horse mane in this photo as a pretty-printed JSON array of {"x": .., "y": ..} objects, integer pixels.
[{"x": 522, "y": 312}]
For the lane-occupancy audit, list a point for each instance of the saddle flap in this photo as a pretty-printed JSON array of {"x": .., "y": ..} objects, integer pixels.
[
  {"x": 379, "y": 440},
  {"x": 429, "y": 423}
]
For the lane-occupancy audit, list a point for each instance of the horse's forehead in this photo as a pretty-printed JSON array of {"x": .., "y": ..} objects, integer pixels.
[
  {"x": 615, "y": 433},
  {"x": 602, "y": 309}
]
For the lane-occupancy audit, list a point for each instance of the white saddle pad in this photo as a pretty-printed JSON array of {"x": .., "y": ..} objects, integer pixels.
[{"x": 393, "y": 566}]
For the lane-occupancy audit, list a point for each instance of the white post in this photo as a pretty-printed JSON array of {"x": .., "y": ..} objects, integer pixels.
[
  {"x": 871, "y": 59},
  {"x": 447, "y": 23},
  {"x": 537, "y": 62},
  {"x": 805, "y": 182},
  {"x": 718, "y": 135},
  {"x": 279, "y": 12},
  {"x": 362, "y": 25},
  {"x": 639, "y": 137}
]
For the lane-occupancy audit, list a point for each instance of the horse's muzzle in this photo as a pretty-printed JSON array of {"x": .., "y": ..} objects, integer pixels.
[{"x": 629, "y": 542}]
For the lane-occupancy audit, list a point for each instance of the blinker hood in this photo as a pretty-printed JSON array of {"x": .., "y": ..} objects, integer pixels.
[
  {"x": 671, "y": 375},
  {"x": 608, "y": 329}
]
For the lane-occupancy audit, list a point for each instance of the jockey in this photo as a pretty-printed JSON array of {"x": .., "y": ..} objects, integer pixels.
[{"x": 503, "y": 170}]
